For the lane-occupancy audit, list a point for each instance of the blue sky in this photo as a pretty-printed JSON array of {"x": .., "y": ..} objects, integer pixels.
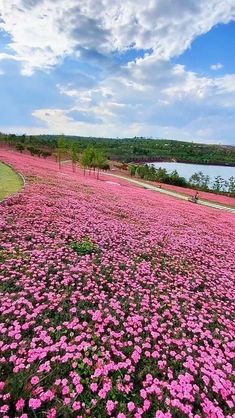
[
  {"x": 216, "y": 46},
  {"x": 158, "y": 68}
]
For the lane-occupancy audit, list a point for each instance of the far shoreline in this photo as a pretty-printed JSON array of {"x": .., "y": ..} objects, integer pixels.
[{"x": 171, "y": 160}]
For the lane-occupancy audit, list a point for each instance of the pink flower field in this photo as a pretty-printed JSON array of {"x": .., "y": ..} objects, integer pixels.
[{"x": 115, "y": 301}]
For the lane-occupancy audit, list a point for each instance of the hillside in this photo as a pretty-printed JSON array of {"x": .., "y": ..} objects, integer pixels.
[
  {"x": 137, "y": 149},
  {"x": 115, "y": 301}
]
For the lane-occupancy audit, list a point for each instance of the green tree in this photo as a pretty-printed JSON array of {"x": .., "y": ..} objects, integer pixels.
[
  {"x": 152, "y": 172},
  {"x": 224, "y": 185},
  {"x": 217, "y": 184},
  {"x": 132, "y": 169},
  {"x": 176, "y": 179},
  {"x": 45, "y": 154},
  {"x": 161, "y": 175},
  {"x": 87, "y": 158},
  {"x": 206, "y": 182},
  {"x": 99, "y": 161},
  {"x": 200, "y": 180},
  {"x": 20, "y": 147},
  {"x": 74, "y": 155},
  {"x": 231, "y": 185},
  {"x": 61, "y": 148}
]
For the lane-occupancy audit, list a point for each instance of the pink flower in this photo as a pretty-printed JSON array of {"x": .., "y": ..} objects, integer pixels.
[
  {"x": 160, "y": 414},
  {"x": 34, "y": 403},
  {"x": 34, "y": 380},
  {"x": 94, "y": 387},
  {"x": 20, "y": 404},
  {"x": 131, "y": 406},
  {"x": 79, "y": 389},
  {"x": 65, "y": 390},
  {"x": 146, "y": 405},
  {"x": 156, "y": 295},
  {"x": 4, "y": 408},
  {"x": 51, "y": 413},
  {"x": 57, "y": 382},
  {"x": 2, "y": 385},
  {"x": 110, "y": 406},
  {"x": 143, "y": 394},
  {"x": 76, "y": 406},
  {"x": 102, "y": 393}
]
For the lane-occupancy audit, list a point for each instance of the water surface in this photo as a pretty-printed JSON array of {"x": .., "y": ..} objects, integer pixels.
[{"x": 186, "y": 170}]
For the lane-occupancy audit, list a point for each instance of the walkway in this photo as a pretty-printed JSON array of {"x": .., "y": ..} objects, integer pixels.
[{"x": 171, "y": 193}]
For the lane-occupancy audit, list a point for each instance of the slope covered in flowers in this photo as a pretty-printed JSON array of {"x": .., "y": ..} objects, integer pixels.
[{"x": 141, "y": 327}]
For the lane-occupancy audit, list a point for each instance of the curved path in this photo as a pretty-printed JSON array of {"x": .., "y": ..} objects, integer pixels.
[{"x": 171, "y": 193}]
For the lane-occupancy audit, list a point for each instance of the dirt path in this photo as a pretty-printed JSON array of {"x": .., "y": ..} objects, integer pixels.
[{"x": 171, "y": 193}]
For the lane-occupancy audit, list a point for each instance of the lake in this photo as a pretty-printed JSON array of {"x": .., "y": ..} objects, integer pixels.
[{"x": 186, "y": 170}]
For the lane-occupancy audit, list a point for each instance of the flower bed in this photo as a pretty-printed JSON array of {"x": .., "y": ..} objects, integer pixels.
[
  {"x": 115, "y": 301},
  {"x": 210, "y": 196}
]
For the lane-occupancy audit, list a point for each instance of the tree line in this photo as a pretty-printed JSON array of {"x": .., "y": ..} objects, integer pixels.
[
  {"x": 90, "y": 158},
  {"x": 131, "y": 150},
  {"x": 198, "y": 180}
]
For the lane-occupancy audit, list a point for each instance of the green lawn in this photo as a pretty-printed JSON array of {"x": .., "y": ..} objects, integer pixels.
[{"x": 10, "y": 181}]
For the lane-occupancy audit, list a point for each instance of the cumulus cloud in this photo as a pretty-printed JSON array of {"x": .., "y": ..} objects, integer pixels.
[
  {"x": 43, "y": 32},
  {"x": 181, "y": 104},
  {"x": 139, "y": 96},
  {"x": 5, "y": 56}
]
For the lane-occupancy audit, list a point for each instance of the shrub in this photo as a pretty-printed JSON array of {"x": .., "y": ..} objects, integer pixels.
[
  {"x": 20, "y": 147},
  {"x": 84, "y": 247}
]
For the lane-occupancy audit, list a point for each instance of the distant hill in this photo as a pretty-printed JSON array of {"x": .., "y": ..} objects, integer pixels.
[{"x": 137, "y": 149}]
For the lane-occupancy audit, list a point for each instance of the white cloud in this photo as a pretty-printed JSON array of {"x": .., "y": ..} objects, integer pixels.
[
  {"x": 4, "y": 56},
  {"x": 44, "y": 32},
  {"x": 1, "y": 72},
  {"x": 147, "y": 96},
  {"x": 217, "y": 66}
]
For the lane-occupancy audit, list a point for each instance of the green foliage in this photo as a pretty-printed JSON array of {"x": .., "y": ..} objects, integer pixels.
[
  {"x": 94, "y": 158},
  {"x": 45, "y": 154},
  {"x": 61, "y": 143},
  {"x": 84, "y": 247},
  {"x": 20, "y": 147},
  {"x": 87, "y": 157},
  {"x": 133, "y": 149},
  {"x": 61, "y": 148},
  {"x": 149, "y": 172},
  {"x": 217, "y": 184},
  {"x": 231, "y": 185},
  {"x": 132, "y": 169},
  {"x": 34, "y": 151},
  {"x": 95, "y": 153},
  {"x": 74, "y": 154},
  {"x": 99, "y": 161},
  {"x": 199, "y": 180}
]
